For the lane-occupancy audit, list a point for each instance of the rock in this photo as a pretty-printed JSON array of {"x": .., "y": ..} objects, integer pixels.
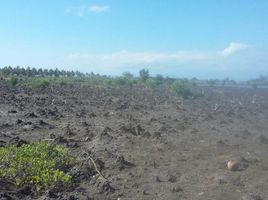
[{"x": 233, "y": 165}]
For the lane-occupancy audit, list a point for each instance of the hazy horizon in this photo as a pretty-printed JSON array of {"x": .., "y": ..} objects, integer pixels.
[{"x": 208, "y": 39}]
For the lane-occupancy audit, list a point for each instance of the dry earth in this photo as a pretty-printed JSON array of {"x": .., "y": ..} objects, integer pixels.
[{"x": 147, "y": 145}]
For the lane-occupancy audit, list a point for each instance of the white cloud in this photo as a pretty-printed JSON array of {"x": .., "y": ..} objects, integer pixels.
[
  {"x": 233, "y": 48},
  {"x": 181, "y": 63},
  {"x": 83, "y": 10},
  {"x": 98, "y": 8},
  {"x": 125, "y": 58}
]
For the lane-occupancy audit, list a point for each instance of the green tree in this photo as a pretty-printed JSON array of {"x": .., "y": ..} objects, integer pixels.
[
  {"x": 40, "y": 72},
  {"x": 144, "y": 74},
  {"x": 128, "y": 75}
]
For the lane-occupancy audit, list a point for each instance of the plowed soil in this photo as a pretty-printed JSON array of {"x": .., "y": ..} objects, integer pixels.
[{"x": 145, "y": 144}]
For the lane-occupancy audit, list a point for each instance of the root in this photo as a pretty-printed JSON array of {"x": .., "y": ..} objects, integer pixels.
[{"x": 96, "y": 168}]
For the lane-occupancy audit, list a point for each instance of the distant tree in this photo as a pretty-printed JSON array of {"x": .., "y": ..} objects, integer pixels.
[
  {"x": 159, "y": 79},
  {"x": 194, "y": 81},
  {"x": 56, "y": 72},
  {"x": 34, "y": 71},
  {"x": 45, "y": 72},
  {"x": 22, "y": 71},
  {"x": 63, "y": 73},
  {"x": 17, "y": 71},
  {"x": 40, "y": 72},
  {"x": 144, "y": 74},
  {"x": 128, "y": 75},
  {"x": 50, "y": 72},
  {"x": 28, "y": 71},
  {"x": 5, "y": 71},
  {"x": 69, "y": 74}
]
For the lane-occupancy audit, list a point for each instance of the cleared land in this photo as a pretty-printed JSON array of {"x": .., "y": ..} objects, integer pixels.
[{"x": 146, "y": 144}]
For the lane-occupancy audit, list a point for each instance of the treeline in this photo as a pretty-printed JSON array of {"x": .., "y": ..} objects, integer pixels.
[
  {"x": 37, "y": 78},
  {"x": 41, "y": 78},
  {"x": 31, "y": 72},
  {"x": 75, "y": 76}
]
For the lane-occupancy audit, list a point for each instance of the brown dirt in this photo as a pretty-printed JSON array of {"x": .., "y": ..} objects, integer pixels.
[{"x": 148, "y": 145}]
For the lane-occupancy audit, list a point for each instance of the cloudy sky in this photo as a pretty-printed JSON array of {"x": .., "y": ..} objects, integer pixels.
[{"x": 183, "y": 38}]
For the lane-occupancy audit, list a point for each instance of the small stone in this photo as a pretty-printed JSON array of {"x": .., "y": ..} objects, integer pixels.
[{"x": 233, "y": 165}]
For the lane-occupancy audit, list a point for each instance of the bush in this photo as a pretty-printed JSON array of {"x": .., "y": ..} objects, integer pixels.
[
  {"x": 151, "y": 83},
  {"x": 14, "y": 80},
  {"x": 40, "y": 83},
  {"x": 182, "y": 88},
  {"x": 63, "y": 81},
  {"x": 39, "y": 164}
]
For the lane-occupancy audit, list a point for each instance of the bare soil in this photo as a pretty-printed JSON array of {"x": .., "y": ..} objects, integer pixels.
[{"x": 145, "y": 145}]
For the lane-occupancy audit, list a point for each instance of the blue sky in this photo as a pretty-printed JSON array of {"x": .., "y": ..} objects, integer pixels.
[{"x": 183, "y": 38}]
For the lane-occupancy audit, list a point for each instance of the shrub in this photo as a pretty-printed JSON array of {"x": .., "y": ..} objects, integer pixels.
[
  {"x": 120, "y": 81},
  {"x": 63, "y": 81},
  {"x": 182, "y": 88},
  {"x": 14, "y": 80},
  {"x": 40, "y": 82},
  {"x": 151, "y": 83},
  {"x": 40, "y": 164}
]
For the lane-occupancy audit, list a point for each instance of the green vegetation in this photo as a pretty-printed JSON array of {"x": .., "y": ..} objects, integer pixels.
[
  {"x": 182, "y": 88},
  {"x": 144, "y": 74},
  {"x": 42, "y": 78},
  {"x": 40, "y": 82},
  {"x": 14, "y": 80},
  {"x": 40, "y": 164},
  {"x": 151, "y": 83}
]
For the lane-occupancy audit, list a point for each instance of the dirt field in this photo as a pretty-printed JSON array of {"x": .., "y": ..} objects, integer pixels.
[{"x": 147, "y": 145}]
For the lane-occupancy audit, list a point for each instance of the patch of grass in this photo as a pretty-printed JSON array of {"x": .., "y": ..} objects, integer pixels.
[{"x": 40, "y": 164}]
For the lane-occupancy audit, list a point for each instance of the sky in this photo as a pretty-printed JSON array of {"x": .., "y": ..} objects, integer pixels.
[{"x": 182, "y": 38}]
